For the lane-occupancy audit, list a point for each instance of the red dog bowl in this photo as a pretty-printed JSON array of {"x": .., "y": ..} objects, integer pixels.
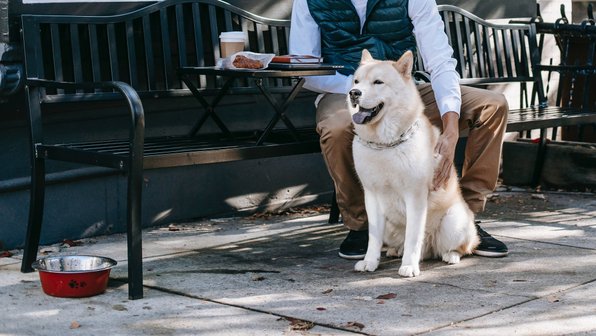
[{"x": 74, "y": 276}]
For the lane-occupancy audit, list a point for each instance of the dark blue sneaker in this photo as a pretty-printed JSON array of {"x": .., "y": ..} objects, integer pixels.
[
  {"x": 354, "y": 246},
  {"x": 489, "y": 246}
]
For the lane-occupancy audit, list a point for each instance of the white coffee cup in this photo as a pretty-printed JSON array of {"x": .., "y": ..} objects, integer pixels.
[{"x": 231, "y": 42}]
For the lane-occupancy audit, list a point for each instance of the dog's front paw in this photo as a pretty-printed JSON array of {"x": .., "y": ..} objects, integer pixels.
[
  {"x": 409, "y": 271},
  {"x": 366, "y": 265},
  {"x": 451, "y": 257}
]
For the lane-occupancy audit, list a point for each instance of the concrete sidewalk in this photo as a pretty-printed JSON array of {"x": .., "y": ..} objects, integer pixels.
[{"x": 280, "y": 275}]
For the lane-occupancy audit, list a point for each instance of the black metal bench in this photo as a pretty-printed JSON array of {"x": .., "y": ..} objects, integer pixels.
[
  {"x": 129, "y": 58},
  {"x": 494, "y": 54}
]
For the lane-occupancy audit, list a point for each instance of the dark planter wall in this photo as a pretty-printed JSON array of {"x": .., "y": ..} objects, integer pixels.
[{"x": 567, "y": 165}]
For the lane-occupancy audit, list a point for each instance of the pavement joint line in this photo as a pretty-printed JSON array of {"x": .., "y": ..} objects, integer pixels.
[
  {"x": 530, "y": 299},
  {"x": 479, "y": 290},
  {"x": 174, "y": 292},
  {"x": 452, "y": 324}
]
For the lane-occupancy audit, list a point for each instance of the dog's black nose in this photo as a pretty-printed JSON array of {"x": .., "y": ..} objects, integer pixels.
[{"x": 354, "y": 95}]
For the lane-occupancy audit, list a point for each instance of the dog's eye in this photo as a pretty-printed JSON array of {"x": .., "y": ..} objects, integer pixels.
[
  {"x": 378, "y": 81},
  {"x": 356, "y": 81}
]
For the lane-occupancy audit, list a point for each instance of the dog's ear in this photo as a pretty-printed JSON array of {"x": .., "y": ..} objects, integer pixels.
[
  {"x": 405, "y": 64},
  {"x": 366, "y": 57}
]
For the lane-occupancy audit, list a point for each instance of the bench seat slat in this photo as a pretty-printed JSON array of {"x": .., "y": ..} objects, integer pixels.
[
  {"x": 534, "y": 118},
  {"x": 165, "y": 152}
]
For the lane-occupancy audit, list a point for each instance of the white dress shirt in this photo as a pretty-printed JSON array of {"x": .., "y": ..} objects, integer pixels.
[{"x": 432, "y": 43}]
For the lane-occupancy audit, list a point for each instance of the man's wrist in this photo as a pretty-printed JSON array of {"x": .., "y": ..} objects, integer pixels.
[{"x": 450, "y": 123}]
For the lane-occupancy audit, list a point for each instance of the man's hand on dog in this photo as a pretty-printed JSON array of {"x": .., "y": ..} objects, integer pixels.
[{"x": 446, "y": 149}]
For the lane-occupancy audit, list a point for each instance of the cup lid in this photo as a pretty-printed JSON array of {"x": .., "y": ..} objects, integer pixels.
[{"x": 232, "y": 35}]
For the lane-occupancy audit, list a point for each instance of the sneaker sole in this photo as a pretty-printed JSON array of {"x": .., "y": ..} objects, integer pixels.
[
  {"x": 490, "y": 254},
  {"x": 351, "y": 257}
]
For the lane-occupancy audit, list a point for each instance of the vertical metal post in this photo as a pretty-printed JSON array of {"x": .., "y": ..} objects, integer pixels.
[{"x": 37, "y": 182}]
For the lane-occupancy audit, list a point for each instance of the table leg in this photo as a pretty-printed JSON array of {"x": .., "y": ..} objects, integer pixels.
[
  {"x": 279, "y": 110},
  {"x": 209, "y": 108}
]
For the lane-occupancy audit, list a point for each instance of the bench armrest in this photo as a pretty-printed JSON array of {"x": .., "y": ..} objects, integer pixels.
[
  {"x": 133, "y": 101},
  {"x": 135, "y": 106}
]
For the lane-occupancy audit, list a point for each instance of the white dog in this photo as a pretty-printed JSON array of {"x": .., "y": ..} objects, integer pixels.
[{"x": 395, "y": 160}]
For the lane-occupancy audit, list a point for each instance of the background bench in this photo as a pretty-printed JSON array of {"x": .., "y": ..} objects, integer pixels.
[{"x": 490, "y": 54}]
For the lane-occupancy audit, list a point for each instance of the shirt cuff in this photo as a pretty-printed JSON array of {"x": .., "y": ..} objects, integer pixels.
[{"x": 449, "y": 105}]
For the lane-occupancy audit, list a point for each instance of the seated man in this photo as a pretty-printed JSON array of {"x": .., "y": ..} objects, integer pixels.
[{"x": 338, "y": 30}]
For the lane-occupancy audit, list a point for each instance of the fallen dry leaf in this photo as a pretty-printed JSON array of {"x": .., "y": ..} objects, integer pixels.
[
  {"x": 303, "y": 211},
  {"x": 296, "y": 324},
  {"x": 5, "y": 254},
  {"x": 173, "y": 227},
  {"x": 327, "y": 291},
  {"x": 387, "y": 296},
  {"x": 354, "y": 325},
  {"x": 49, "y": 249},
  {"x": 71, "y": 243},
  {"x": 119, "y": 307},
  {"x": 552, "y": 298},
  {"x": 74, "y": 325}
]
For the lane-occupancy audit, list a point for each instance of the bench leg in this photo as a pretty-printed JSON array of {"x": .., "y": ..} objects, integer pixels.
[
  {"x": 539, "y": 159},
  {"x": 134, "y": 232},
  {"x": 35, "y": 214},
  {"x": 334, "y": 211}
]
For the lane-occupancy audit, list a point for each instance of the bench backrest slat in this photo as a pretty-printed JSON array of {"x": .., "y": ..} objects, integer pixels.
[
  {"x": 144, "y": 47},
  {"x": 166, "y": 50},
  {"x": 149, "y": 56},
  {"x": 131, "y": 53},
  {"x": 76, "y": 53},
  {"x": 498, "y": 50},
  {"x": 113, "y": 51},
  {"x": 57, "y": 53},
  {"x": 181, "y": 34},
  {"x": 196, "y": 12},
  {"x": 214, "y": 31},
  {"x": 94, "y": 53},
  {"x": 228, "y": 21}
]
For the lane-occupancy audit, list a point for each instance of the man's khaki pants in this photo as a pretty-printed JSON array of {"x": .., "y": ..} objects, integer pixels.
[{"x": 483, "y": 113}]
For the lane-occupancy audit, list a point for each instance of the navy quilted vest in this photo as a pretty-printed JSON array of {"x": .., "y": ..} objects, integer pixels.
[{"x": 387, "y": 32}]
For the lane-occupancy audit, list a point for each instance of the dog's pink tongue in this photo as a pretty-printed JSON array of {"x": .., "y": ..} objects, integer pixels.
[{"x": 361, "y": 117}]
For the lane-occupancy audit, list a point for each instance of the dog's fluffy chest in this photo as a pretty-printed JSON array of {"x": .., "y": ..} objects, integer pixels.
[{"x": 394, "y": 169}]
